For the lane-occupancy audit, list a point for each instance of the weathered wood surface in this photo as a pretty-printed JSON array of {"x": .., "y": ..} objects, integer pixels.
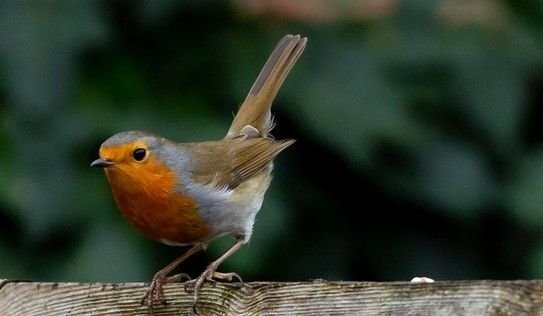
[{"x": 268, "y": 298}]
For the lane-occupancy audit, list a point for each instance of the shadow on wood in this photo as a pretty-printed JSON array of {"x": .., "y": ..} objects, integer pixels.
[{"x": 294, "y": 298}]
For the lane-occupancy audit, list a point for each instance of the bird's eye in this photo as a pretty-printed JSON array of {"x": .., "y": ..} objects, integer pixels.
[{"x": 139, "y": 154}]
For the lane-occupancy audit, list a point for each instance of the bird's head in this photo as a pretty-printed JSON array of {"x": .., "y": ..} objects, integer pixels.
[{"x": 133, "y": 158}]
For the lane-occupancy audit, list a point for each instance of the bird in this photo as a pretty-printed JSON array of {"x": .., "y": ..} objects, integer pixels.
[{"x": 191, "y": 193}]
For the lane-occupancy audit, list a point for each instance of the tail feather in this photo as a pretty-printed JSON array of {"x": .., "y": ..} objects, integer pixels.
[{"x": 256, "y": 109}]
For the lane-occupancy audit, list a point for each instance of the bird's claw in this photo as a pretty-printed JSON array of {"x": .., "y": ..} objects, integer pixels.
[
  {"x": 213, "y": 277},
  {"x": 155, "y": 292},
  {"x": 229, "y": 277}
]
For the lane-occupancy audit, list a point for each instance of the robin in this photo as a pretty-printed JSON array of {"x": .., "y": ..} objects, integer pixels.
[{"x": 184, "y": 194}]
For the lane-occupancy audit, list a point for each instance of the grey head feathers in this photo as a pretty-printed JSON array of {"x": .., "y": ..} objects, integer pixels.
[{"x": 127, "y": 137}]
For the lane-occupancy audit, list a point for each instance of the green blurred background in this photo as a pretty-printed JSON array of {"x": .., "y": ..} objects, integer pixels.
[{"x": 419, "y": 128}]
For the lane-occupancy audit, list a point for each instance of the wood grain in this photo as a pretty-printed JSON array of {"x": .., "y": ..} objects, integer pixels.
[{"x": 270, "y": 298}]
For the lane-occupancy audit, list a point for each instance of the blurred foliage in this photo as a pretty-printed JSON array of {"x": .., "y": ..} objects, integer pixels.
[{"x": 420, "y": 146}]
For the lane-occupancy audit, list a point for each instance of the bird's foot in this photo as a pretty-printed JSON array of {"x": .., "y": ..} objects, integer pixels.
[
  {"x": 155, "y": 291},
  {"x": 209, "y": 274}
]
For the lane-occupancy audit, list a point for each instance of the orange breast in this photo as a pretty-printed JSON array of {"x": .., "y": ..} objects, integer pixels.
[{"x": 145, "y": 195}]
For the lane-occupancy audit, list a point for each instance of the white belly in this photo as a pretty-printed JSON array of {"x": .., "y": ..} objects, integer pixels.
[{"x": 233, "y": 211}]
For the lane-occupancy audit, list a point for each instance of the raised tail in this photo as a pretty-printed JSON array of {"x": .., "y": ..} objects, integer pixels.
[{"x": 255, "y": 110}]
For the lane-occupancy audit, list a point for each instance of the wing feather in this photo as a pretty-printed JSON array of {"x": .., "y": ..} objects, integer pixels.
[{"x": 229, "y": 162}]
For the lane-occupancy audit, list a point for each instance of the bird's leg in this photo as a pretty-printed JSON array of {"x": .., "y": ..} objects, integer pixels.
[
  {"x": 154, "y": 292},
  {"x": 210, "y": 272}
]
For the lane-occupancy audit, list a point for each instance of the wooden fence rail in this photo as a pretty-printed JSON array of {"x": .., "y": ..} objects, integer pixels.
[{"x": 272, "y": 298}]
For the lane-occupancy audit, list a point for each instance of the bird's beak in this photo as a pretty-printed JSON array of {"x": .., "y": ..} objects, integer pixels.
[{"x": 102, "y": 163}]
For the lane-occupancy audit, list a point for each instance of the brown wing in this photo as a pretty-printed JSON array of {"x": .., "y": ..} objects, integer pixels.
[{"x": 229, "y": 162}]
